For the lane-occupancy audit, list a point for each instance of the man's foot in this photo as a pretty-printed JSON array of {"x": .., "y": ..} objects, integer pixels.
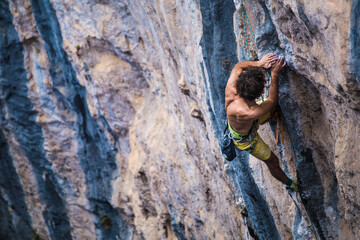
[{"x": 292, "y": 185}]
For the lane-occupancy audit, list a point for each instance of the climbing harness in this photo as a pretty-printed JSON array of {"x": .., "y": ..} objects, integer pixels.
[
  {"x": 230, "y": 136},
  {"x": 247, "y": 137},
  {"x": 227, "y": 145}
]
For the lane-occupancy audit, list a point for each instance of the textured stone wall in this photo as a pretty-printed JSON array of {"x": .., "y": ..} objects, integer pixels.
[{"x": 111, "y": 112}]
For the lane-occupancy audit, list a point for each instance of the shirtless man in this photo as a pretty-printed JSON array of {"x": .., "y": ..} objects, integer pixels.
[{"x": 245, "y": 84}]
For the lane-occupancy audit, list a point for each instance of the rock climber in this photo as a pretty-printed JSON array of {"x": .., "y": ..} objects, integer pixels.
[{"x": 245, "y": 84}]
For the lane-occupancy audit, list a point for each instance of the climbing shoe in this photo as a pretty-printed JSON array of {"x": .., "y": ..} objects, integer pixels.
[{"x": 292, "y": 185}]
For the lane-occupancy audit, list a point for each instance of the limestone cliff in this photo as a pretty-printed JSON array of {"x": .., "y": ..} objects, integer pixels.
[{"x": 111, "y": 113}]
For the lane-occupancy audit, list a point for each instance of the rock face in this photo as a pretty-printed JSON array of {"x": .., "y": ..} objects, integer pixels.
[{"x": 111, "y": 113}]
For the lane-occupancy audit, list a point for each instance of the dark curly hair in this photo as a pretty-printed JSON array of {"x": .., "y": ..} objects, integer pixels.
[{"x": 250, "y": 84}]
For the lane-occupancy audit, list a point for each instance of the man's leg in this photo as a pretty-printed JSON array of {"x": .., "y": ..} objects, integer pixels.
[
  {"x": 273, "y": 164},
  {"x": 263, "y": 152}
]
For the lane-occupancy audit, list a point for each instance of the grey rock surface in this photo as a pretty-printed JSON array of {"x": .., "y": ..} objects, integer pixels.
[{"x": 111, "y": 114}]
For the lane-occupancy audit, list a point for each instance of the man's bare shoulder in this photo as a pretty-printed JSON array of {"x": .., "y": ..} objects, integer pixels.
[
  {"x": 234, "y": 75},
  {"x": 238, "y": 108},
  {"x": 241, "y": 109}
]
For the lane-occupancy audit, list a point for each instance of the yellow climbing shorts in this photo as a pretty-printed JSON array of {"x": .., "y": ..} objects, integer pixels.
[{"x": 262, "y": 150}]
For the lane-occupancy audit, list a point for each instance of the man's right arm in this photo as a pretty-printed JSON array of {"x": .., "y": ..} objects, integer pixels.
[{"x": 271, "y": 101}]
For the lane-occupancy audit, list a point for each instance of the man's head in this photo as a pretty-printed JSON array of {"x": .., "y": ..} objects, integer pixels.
[{"x": 250, "y": 84}]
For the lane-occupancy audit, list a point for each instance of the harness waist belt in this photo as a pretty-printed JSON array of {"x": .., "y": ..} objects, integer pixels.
[{"x": 238, "y": 136}]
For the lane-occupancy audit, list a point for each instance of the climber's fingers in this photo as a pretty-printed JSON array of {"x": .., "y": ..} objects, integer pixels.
[
  {"x": 268, "y": 60},
  {"x": 272, "y": 59},
  {"x": 270, "y": 55},
  {"x": 278, "y": 65},
  {"x": 278, "y": 60},
  {"x": 282, "y": 62}
]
